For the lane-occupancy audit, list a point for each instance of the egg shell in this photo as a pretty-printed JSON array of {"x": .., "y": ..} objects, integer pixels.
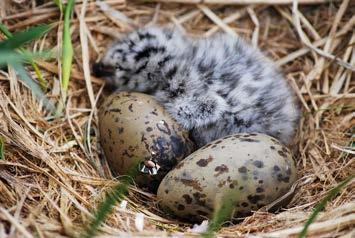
[
  {"x": 252, "y": 170},
  {"x": 134, "y": 128}
]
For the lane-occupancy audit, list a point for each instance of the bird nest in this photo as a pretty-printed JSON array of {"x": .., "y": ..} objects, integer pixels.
[{"x": 52, "y": 176}]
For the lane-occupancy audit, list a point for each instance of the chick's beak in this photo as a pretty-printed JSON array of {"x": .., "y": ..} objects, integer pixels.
[{"x": 101, "y": 70}]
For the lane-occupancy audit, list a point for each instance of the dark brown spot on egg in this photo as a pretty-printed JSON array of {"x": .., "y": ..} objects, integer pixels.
[
  {"x": 214, "y": 146},
  {"x": 188, "y": 199},
  {"x": 130, "y": 107},
  {"x": 241, "y": 188},
  {"x": 281, "y": 178},
  {"x": 147, "y": 122},
  {"x": 116, "y": 120},
  {"x": 221, "y": 169},
  {"x": 192, "y": 183},
  {"x": 261, "y": 181},
  {"x": 221, "y": 183},
  {"x": 231, "y": 186},
  {"x": 120, "y": 130},
  {"x": 149, "y": 129},
  {"x": 115, "y": 110},
  {"x": 259, "y": 190},
  {"x": 253, "y": 134},
  {"x": 254, "y": 199},
  {"x": 276, "y": 168},
  {"x": 166, "y": 191},
  {"x": 154, "y": 112},
  {"x": 218, "y": 142},
  {"x": 198, "y": 198},
  {"x": 259, "y": 164},
  {"x": 204, "y": 162},
  {"x": 242, "y": 169},
  {"x": 272, "y": 147},
  {"x": 181, "y": 207},
  {"x": 245, "y": 204},
  {"x": 248, "y": 140}
]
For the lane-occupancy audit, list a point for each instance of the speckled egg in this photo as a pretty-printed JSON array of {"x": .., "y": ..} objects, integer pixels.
[
  {"x": 136, "y": 131},
  {"x": 252, "y": 170}
]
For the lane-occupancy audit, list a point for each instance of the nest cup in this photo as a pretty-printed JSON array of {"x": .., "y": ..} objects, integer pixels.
[{"x": 51, "y": 175}]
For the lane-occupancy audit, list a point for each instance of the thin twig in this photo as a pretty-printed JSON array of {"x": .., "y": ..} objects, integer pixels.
[
  {"x": 240, "y": 2},
  {"x": 301, "y": 34}
]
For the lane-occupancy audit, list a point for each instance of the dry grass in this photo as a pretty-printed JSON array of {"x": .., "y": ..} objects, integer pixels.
[{"x": 53, "y": 176}]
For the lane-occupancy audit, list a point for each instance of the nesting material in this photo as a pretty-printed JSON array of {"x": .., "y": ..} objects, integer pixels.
[{"x": 53, "y": 176}]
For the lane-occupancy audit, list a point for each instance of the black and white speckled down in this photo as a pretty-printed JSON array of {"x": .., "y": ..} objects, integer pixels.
[{"x": 212, "y": 86}]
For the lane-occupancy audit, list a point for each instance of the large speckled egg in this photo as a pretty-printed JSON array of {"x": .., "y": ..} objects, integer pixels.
[
  {"x": 251, "y": 170},
  {"x": 137, "y": 133}
]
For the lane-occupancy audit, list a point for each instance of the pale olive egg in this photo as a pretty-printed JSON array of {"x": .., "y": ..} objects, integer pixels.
[
  {"x": 247, "y": 170},
  {"x": 138, "y": 134}
]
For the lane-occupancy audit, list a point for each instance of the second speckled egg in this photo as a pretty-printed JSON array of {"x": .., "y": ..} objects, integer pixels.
[{"x": 248, "y": 170}]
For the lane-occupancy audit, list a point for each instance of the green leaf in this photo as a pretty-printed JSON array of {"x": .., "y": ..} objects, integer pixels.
[
  {"x": 222, "y": 213},
  {"x": 5, "y": 31},
  {"x": 21, "y": 71},
  {"x": 41, "y": 80},
  {"x": 59, "y": 4},
  {"x": 2, "y": 148},
  {"x": 20, "y": 38},
  {"x": 115, "y": 195},
  {"x": 67, "y": 47},
  {"x": 13, "y": 57},
  {"x": 330, "y": 195}
]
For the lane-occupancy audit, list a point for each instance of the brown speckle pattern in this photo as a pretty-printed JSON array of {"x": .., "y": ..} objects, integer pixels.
[
  {"x": 242, "y": 169},
  {"x": 221, "y": 169},
  {"x": 127, "y": 124},
  {"x": 204, "y": 162},
  {"x": 251, "y": 165}
]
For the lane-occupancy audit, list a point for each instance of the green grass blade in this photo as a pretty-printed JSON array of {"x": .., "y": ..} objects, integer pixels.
[
  {"x": 67, "y": 47},
  {"x": 21, "y": 71},
  {"x": 59, "y": 4},
  {"x": 105, "y": 207},
  {"x": 41, "y": 80},
  {"x": 222, "y": 213},
  {"x": 2, "y": 148},
  {"x": 5, "y": 31},
  {"x": 20, "y": 38},
  {"x": 13, "y": 57},
  {"x": 330, "y": 195}
]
